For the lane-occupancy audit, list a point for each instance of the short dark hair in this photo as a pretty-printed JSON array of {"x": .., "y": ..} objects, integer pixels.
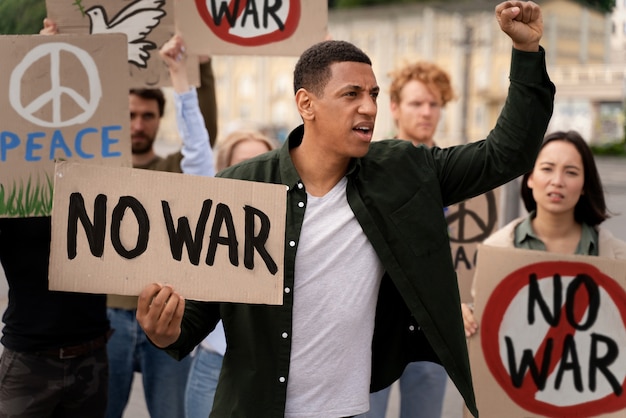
[
  {"x": 591, "y": 206},
  {"x": 312, "y": 70},
  {"x": 151, "y": 94}
]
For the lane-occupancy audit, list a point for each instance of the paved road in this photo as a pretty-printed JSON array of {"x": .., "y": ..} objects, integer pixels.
[{"x": 613, "y": 174}]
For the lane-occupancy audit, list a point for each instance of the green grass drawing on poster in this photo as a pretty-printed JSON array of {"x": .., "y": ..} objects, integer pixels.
[{"x": 27, "y": 199}]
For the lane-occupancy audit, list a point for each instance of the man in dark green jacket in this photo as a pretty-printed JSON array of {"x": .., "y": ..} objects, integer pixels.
[{"x": 369, "y": 284}]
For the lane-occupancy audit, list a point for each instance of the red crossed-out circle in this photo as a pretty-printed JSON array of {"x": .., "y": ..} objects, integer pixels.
[
  {"x": 494, "y": 313},
  {"x": 223, "y": 30}
]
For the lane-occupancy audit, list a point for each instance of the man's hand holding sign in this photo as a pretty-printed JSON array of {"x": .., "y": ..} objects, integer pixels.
[{"x": 160, "y": 312}]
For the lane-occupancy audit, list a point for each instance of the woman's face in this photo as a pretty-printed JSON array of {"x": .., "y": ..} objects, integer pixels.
[
  {"x": 247, "y": 149},
  {"x": 558, "y": 178}
]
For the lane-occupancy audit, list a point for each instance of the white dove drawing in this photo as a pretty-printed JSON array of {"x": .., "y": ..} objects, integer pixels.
[{"x": 135, "y": 20}]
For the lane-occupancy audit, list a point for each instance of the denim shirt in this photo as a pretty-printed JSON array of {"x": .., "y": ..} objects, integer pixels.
[
  {"x": 397, "y": 193},
  {"x": 196, "y": 150}
]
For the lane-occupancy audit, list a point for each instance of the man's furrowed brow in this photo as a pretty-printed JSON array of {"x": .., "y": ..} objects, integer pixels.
[{"x": 357, "y": 87}]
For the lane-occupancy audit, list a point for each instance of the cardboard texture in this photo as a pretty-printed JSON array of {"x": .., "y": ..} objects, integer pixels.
[
  {"x": 62, "y": 97},
  {"x": 252, "y": 27},
  {"x": 552, "y": 335},
  {"x": 469, "y": 223},
  {"x": 148, "y": 24},
  {"x": 212, "y": 239}
]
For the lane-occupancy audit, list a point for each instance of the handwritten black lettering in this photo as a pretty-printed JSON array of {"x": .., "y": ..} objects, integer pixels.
[
  {"x": 602, "y": 363},
  {"x": 129, "y": 202},
  {"x": 527, "y": 363},
  {"x": 231, "y": 12},
  {"x": 223, "y": 216},
  {"x": 552, "y": 316},
  {"x": 95, "y": 231},
  {"x": 250, "y": 11},
  {"x": 224, "y": 11},
  {"x": 271, "y": 10},
  {"x": 569, "y": 361},
  {"x": 461, "y": 257},
  {"x": 223, "y": 232},
  {"x": 593, "y": 296},
  {"x": 257, "y": 242},
  {"x": 603, "y": 350},
  {"x": 182, "y": 234}
]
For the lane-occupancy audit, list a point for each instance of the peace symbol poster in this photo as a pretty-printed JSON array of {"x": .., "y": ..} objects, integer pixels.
[
  {"x": 62, "y": 97},
  {"x": 147, "y": 24},
  {"x": 469, "y": 223},
  {"x": 551, "y": 340},
  {"x": 252, "y": 27}
]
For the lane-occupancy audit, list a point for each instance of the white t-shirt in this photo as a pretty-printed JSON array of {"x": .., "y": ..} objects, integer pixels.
[{"x": 337, "y": 278}]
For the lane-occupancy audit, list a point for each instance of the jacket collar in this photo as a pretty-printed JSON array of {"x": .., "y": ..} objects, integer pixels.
[{"x": 288, "y": 171}]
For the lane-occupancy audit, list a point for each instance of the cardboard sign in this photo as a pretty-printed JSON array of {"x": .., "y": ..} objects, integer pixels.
[
  {"x": 62, "y": 97},
  {"x": 147, "y": 24},
  {"x": 116, "y": 230},
  {"x": 552, "y": 335},
  {"x": 252, "y": 27},
  {"x": 469, "y": 223}
]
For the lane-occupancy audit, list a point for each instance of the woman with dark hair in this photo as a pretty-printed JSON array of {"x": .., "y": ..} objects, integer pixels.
[
  {"x": 590, "y": 208},
  {"x": 565, "y": 200}
]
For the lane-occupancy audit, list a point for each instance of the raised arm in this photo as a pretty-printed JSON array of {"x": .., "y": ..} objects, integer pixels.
[
  {"x": 197, "y": 152},
  {"x": 511, "y": 147}
]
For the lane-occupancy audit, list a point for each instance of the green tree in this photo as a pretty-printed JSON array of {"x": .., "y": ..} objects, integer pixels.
[
  {"x": 21, "y": 16},
  {"x": 602, "y": 5}
]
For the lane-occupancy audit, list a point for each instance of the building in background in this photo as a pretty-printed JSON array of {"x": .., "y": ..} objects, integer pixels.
[
  {"x": 590, "y": 92},
  {"x": 618, "y": 33},
  {"x": 463, "y": 37}
]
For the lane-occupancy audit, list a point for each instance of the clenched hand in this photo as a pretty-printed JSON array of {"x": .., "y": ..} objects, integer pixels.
[
  {"x": 160, "y": 313},
  {"x": 522, "y": 21}
]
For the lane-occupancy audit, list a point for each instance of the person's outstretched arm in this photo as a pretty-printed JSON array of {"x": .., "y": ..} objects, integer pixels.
[{"x": 196, "y": 150}]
